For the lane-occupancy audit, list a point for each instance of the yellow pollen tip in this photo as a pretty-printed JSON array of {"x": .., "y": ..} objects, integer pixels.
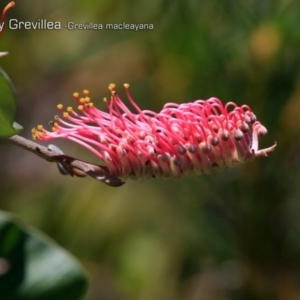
[
  {"x": 40, "y": 127},
  {"x": 33, "y": 130},
  {"x": 75, "y": 95},
  {"x": 60, "y": 106},
  {"x": 89, "y": 105},
  {"x": 65, "y": 114},
  {"x": 87, "y": 99},
  {"x": 70, "y": 108},
  {"x": 126, "y": 85},
  {"x": 56, "y": 118},
  {"x": 54, "y": 129},
  {"x": 8, "y": 6},
  {"x": 86, "y": 92},
  {"x": 80, "y": 107},
  {"x": 82, "y": 100},
  {"x": 111, "y": 86},
  {"x": 105, "y": 100}
]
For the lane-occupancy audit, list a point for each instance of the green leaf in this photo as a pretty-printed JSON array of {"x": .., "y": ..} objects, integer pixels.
[
  {"x": 8, "y": 106},
  {"x": 32, "y": 267}
]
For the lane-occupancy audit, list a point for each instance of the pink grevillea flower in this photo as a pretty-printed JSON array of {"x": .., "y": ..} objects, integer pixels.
[{"x": 196, "y": 137}]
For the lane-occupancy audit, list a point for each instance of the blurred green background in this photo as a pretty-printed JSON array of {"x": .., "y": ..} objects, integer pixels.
[{"x": 226, "y": 236}]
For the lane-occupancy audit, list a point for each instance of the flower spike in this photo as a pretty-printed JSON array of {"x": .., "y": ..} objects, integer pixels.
[{"x": 197, "y": 137}]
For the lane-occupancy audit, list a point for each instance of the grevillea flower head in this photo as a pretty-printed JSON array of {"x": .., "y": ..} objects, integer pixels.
[{"x": 196, "y": 137}]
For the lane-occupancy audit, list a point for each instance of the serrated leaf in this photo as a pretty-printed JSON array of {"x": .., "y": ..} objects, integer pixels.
[
  {"x": 8, "y": 107},
  {"x": 32, "y": 267}
]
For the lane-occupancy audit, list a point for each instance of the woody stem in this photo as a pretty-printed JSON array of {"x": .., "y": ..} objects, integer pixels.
[{"x": 73, "y": 165}]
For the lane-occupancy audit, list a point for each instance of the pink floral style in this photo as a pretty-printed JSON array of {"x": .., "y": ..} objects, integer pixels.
[
  {"x": 197, "y": 137},
  {"x": 4, "y": 12}
]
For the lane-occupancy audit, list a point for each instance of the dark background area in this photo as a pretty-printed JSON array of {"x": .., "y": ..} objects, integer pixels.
[{"x": 226, "y": 236}]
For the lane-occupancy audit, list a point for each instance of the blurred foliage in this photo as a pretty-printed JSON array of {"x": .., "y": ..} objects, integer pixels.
[
  {"x": 8, "y": 107},
  {"x": 33, "y": 267},
  {"x": 230, "y": 235}
]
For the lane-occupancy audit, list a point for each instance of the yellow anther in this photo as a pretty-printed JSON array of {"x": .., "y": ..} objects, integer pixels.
[
  {"x": 65, "y": 114},
  {"x": 82, "y": 100},
  {"x": 86, "y": 92},
  {"x": 56, "y": 118},
  {"x": 7, "y": 7},
  {"x": 75, "y": 95},
  {"x": 53, "y": 124},
  {"x": 126, "y": 85},
  {"x": 89, "y": 105},
  {"x": 112, "y": 86},
  {"x": 54, "y": 129},
  {"x": 60, "y": 106},
  {"x": 33, "y": 130},
  {"x": 80, "y": 107},
  {"x": 70, "y": 108},
  {"x": 40, "y": 127},
  {"x": 10, "y": 5},
  {"x": 87, "y": 99}
]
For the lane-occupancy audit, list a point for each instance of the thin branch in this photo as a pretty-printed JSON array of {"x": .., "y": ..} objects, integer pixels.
[{"x": 72, "y": 165}]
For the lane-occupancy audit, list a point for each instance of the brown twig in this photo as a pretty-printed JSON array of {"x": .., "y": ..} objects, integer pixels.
[{"x": 72, "y": 165}]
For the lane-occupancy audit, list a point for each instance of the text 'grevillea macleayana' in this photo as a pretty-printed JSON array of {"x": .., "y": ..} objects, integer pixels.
[{"x": 197, "y": 137}]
